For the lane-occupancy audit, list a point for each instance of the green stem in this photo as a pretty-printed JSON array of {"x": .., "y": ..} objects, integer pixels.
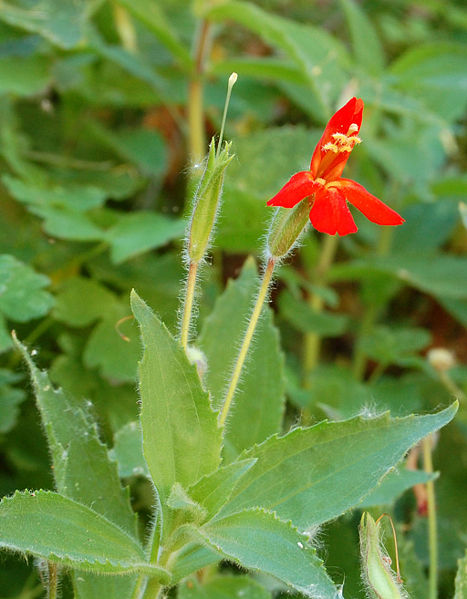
[
  {"x": 140, "y": 582},
  {"x": 52, "y": 582},
  {"x": 312, "y": 341},
  {"x": 432, "y": 525},
  {"x": 197, "y": 141},
  {"x": 188, "y": 304},
  {"x": 153, "y": 589},
  {"x": 262, "y": 294}
]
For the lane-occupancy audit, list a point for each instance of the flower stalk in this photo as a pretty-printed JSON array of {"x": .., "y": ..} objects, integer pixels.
[{"x": 427, "y": 445}]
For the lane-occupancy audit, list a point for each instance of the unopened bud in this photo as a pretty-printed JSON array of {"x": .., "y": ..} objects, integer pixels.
[
  {"x": 206, "y": 202},
  {"x": 380, "y": 581},
  {"x": 441, "y": 359},
  {"x": 286, "y": 228}
]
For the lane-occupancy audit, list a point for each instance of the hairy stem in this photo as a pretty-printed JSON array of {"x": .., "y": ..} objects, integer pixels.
[
  {"x": 188, "y": 303},
  {"x": 262, "y": 295},
  {"x": 52, "y": 581},
  {"x": 432, "y": 524}
]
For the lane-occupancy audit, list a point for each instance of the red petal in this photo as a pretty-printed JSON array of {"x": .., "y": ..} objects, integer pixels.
[
  {"x": 330, "y": 213},
  {"x": 374, "y": 209},
  {"x": 340, "y": 122},
  {"x": 299, "y": 187}
]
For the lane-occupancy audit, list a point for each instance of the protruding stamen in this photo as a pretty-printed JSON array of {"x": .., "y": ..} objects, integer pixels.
[
  {"x": 232, "y": 80},
  {"x": 332, "y": 147},
  {"x": 353, "y": 129}
]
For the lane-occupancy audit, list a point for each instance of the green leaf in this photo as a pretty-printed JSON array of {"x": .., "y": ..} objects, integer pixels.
[
  {"x": 265, "y": 162},
  {"x": 70, "y": 308},
  {"x": 141, "y": 231},
  {"x": 367, "y": 49},
  {"x": 95, "y": 586},
  {"x": 62, "y": 23},
  {"x": 260, "y": 398},
  {"x": 64, "y": 223},
  {"x": 24, "y": 75},
  {"x": 259, "y": 540},
  {"x": 10, "y": 398},
  {"x": 313, "y": 50},
  {"x": 393, "y": 485},
  {"x": 35, "y": 523},
  {"x": 315, "y": 474},
  {"x": 191, "y": 558},
  {"x": 152, "y": 16},
  {"x": 82, "y": 468},
  {"x": 78, "y": 198},
  {"x": 439, "y": 274},
  {"x": 128, "y": 451},
  {"x": 301, "y": 316},
  {"x": 214, "y": 490},
  {"x": 22, "y": 294},
  {"x": 461, "y": 578},
  {"x": 106, "y": 350},
  {"x": 395, "y": 345},
  {"x": 435, "y": 72},
  {"x": 181, "y": 437},
  {"x": 223, "y": 587}
]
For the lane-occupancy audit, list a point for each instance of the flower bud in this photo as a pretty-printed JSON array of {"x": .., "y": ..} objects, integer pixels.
[
  {"x": 285, "y": 230},
  {"x": 206, "y": 202},
  {"x": 380, "y": 581},
  {"x": 441, "y": 359}
]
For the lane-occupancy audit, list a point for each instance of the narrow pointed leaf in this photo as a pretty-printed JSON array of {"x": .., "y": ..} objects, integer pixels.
[
  {"x": 181, "y": 438},
  {"x": 461, "y": 578},
  {"x": 315, "y": 474},
  {"x": 53, "y": 527},
  {"x": 259, "y": 540}
]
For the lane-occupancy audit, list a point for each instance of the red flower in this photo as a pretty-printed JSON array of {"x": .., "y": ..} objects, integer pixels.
[{"x": 327, "y": 192}]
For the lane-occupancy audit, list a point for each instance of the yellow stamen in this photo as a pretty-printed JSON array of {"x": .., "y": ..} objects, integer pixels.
[{"x": 331, "y": 146}]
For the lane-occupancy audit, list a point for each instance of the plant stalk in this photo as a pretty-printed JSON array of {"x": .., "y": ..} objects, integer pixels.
[
  {"x": 52, "y": 582},
  {"x": 262, "y": 294},
  {"x": 432, "y": 523},
  {"x": 188, "y": 304}
]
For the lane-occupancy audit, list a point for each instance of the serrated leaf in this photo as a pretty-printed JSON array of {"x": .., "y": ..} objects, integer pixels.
[
  {"x": 259, "y": 540},
  {"x": 22, "y": 294},
  {"x": 260, "y": 397},
  {"x": 214, "y": 490},
  {"x": 223, "y": 587},
  {"x": 313, "y": 475},
  {"x": 36, "y": 522},
  {"x": 461, "y": 578},
  {"x": 141, "y": 231},
  {"x": 82, "y": 468},
  {"x": 181, "y": 437},
  {"x": 394, "y": 345}
]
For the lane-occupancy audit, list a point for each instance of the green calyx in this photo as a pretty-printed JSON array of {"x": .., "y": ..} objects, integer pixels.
[
  {"x": 377, "y": 574},
  {"x": 207, "y": 201},
  {"x": 286, "y": 227}
]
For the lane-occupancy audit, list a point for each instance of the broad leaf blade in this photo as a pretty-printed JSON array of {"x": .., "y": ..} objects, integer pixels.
[
  {"x": 259, "y": 400},
  {"x": 214, "y": 490},
  {"x": 223, "y": 587},
  {"x": 259, "y": 540},
  {"x": 313, "y": 475},
  {"x": 53, "y": 527},
  {"x": 181, "y": 438},
  {"x": 82, "y": 468}
]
